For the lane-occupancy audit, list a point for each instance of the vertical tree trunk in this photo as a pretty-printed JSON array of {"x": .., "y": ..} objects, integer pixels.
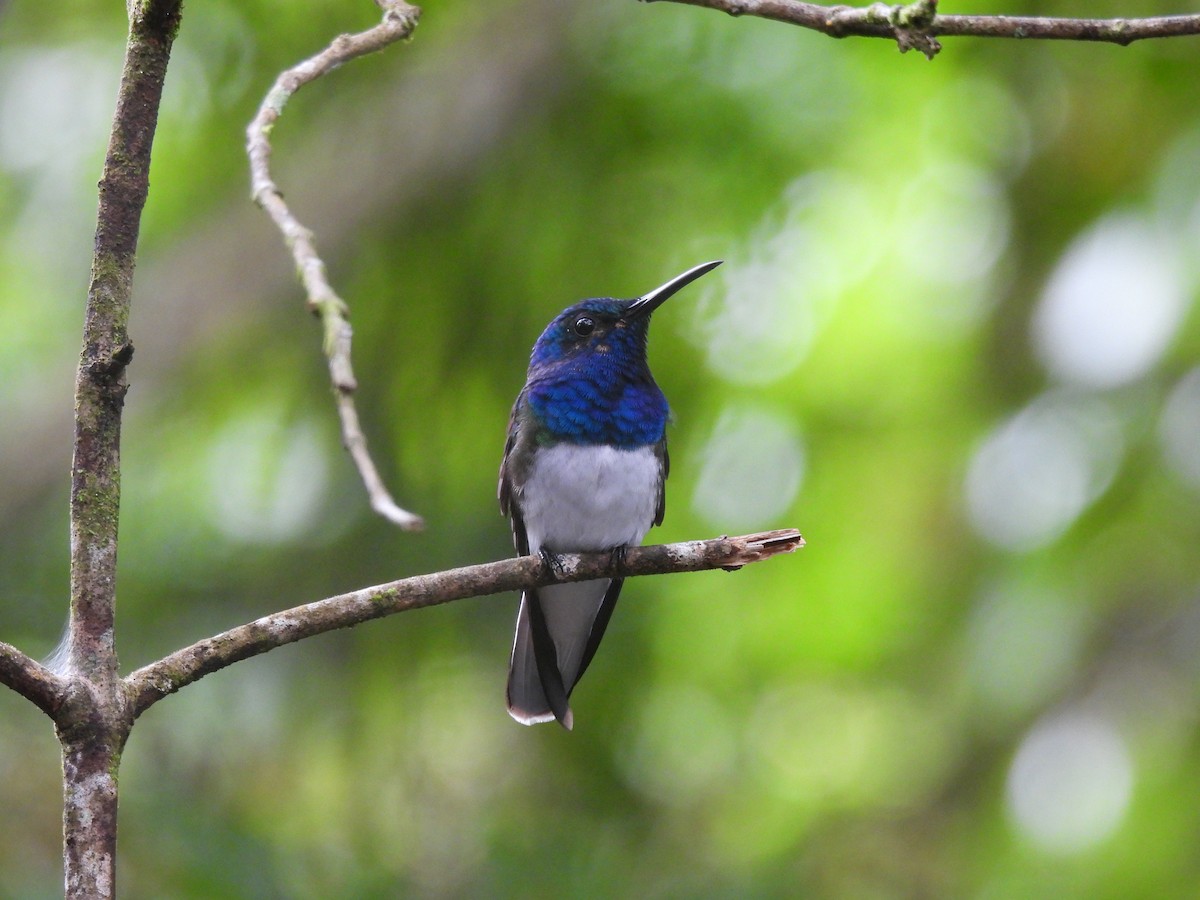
[
  {"x": 90, "y": 818},
  {"x": 94, "y": 721}
]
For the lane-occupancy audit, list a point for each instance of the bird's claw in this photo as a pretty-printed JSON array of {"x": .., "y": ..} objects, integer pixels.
[{"x": 552, "y": 561}]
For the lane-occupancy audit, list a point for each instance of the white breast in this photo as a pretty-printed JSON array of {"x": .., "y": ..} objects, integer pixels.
[{"x": 589, "y": 497}]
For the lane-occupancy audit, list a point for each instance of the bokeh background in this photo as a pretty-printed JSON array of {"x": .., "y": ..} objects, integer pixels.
[{"x": 955, "y": 342}]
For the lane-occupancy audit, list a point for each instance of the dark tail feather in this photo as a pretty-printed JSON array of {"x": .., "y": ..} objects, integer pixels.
[
  {"x": 546, "y": 656},
  {"x": 558, "y": 631},
  {"x": 524, "y": 693},
  {"x": 598, "y": 626}
]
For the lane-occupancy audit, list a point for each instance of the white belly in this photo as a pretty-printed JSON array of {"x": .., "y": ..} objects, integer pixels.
[{"x": 589, "y": 498}]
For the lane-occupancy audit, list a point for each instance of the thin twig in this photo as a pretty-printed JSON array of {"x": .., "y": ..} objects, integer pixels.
[
  {"x": 399, "y": 20},
  {"x": 917, "y": 25},
  {"x": 153, "y": 682},
  {"x": 31, "y": 679}
]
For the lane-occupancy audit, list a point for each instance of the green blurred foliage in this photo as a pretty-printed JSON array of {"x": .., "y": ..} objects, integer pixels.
[{"x": 954, "y": 342}]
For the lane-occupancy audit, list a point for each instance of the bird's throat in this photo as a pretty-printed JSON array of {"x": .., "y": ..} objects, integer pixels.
[{"x": 582, "y": 411}]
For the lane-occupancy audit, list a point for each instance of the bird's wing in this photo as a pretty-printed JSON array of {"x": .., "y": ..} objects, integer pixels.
[
  {"x": 505, "y": 490},
  {"x": 536, "y": 692},
  {"x": 665, "y": 460}
]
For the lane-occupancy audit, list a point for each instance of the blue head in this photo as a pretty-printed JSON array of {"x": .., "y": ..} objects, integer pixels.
[{"x": 589, "y": 382}]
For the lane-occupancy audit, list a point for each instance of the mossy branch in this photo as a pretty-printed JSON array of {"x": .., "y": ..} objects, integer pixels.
[
  {"x": 151, "y": 683},
  {"x": 31, "y": 679},
  {"x": 918, "y": 25}
]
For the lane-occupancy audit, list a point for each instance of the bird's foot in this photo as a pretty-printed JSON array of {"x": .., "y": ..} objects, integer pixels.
[
  {"x": 617, "y": 556},
  {"x": 552, "y": 561}
]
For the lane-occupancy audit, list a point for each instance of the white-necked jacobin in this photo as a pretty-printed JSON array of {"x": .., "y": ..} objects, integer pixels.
[{"x": 583, "y": 470}]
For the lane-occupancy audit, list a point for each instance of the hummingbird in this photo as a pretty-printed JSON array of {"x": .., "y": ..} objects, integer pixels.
[{"x": 584, "y": 468}]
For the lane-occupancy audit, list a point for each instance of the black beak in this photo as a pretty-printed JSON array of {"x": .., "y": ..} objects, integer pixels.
[{"x": 648, "y": 303}]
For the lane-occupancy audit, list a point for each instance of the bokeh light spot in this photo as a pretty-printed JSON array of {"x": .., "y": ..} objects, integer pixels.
[
  {"x": 1112, "y": 306},
  {"x": 752, "y": 470},
  {"x": 1024, "y": 642},
  {"x": 983, "y": 120},
  {"x": 759, "y": 318},
  {"x": 684, "y": 745},
  {"x": 1037, "y": 472},
  {"x": 844, "y": 745},
  {"x": 267, "y": 479},
  {"x": 54, "y": 109},
  {"x": 1179, "y": 427},
  {"x": 1070, "y": 783},
  {"x": 953, "y": 224}
]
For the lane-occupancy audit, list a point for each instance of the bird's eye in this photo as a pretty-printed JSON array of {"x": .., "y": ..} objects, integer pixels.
[{"x": 584, "y": 326}]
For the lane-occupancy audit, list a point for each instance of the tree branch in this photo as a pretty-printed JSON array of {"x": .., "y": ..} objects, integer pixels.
[
  {"x": 917, "y": 25},
  {"x": 399, "y": 20},
  {"x": 31, "y": 679},
  {"x": 151, "y": 683}
]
